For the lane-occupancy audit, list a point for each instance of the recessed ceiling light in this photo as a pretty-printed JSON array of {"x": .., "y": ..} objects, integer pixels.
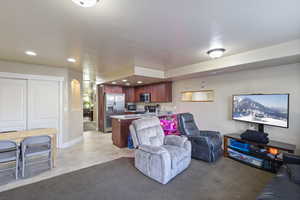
[
  {"x": 139, "y": 82},
  {"x": 124, "y": 80},
  {"x": 71, "y": 60},
  {"x": 114, "y": 82},
  {"x": 127, "y": 83},
  {"x": 86, "y": 3},
  {"x": 30, "y": 53},
  {"x": 216, "y": 53}
]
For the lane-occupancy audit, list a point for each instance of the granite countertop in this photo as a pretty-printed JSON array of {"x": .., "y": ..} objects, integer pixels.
[{"x": 138, "y": 116}]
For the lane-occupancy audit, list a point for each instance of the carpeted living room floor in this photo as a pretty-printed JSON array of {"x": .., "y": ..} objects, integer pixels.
[{"x": 118, "y": 179}]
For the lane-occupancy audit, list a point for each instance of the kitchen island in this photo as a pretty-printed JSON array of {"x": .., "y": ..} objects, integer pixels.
[{"x": 120, "y": 127}]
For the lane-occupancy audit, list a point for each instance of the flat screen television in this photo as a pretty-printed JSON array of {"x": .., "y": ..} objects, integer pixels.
[{"x": 262, "y": 109}]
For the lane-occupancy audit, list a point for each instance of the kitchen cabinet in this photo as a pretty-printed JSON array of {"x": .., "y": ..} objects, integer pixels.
[
  {"x": 129, "y": 94},
  {"x": 120, "y": 132},
  {"x": 112, "y": 89},
  {"x": 160, "y": 92},
  {"x": 138, "y": 91}
]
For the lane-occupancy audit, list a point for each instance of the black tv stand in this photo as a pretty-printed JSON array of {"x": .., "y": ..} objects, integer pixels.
[{"x": 275, "y": 162}]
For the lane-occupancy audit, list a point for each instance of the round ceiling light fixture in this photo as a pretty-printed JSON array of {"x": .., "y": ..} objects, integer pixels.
[
  {"x": 71, "y": 60},
  {"x": 86, "y": 3},
  {"x": 216, "y": 53},
  {"x": 30, "y": 53}
]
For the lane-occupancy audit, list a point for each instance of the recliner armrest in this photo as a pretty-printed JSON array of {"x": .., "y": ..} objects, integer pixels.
[
  {"x": 291, "y": 159},
  {"x": 152, "y": 149},
  {"x": 175, "y": 140},
  {"x": 199, "y": 140}
]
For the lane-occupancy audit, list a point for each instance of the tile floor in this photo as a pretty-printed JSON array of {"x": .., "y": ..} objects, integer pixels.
[
  {"x": 96, "y": 148},
  {"x": 89, "y": 125}
]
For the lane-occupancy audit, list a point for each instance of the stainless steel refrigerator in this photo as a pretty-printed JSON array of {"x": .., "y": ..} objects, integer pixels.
[{"x": 114, "y": 104}]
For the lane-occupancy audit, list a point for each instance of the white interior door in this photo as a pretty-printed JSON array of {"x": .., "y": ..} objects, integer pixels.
[
  {"x": 43, "y": 104},
  {"x": 13, "y": 95}
]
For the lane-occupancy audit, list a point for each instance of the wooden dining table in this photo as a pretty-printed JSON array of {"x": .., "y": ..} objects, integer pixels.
[{"x": 18, "y": 136}]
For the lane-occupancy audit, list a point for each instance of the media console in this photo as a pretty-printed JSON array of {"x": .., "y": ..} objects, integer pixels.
[{"x": 263, "y": 156}]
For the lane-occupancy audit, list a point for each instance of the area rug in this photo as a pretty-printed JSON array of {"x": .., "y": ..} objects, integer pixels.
[{"x": 119, "y": 180}]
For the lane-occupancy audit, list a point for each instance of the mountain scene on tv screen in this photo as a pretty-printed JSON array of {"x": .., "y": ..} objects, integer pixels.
[{"x": 270, "y": 111}]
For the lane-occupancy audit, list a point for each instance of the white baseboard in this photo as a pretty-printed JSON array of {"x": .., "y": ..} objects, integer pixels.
[{"x": 71, "y": 143}]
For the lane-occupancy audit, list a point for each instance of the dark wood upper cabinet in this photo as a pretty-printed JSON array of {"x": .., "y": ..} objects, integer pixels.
[
  {"x": 112, "y": 89},
  {"x": 138, "y": 91},
  {"x": 129, "y": 94},
  {"x": 160, "y": 92}
]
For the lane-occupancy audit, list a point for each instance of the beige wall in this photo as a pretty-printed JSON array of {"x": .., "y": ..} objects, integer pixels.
[
  {"x": 217, "y": 115},
  {"x": 72, "y": 120},
  {"x": 75, "y": 113}
]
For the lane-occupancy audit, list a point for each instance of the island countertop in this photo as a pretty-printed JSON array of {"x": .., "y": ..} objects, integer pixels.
[{"x": 138, "y": 116}]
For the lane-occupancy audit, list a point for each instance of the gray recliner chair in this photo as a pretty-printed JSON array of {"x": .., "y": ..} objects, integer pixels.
[
  {"x": 158, "y": 156},
  {"x": 206, "y": 145}
]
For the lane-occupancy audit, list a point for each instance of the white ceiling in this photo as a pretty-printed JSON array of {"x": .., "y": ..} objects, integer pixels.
[{"x": 160, "y": 34}]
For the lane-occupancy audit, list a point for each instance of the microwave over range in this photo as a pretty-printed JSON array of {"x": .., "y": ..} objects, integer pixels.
[{"x": 145, "y": 97}]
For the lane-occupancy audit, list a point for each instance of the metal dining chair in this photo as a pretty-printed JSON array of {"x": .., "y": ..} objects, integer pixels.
[
  {"x": 9, "y": 152},
  {"x": 35, "y": 146}
]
